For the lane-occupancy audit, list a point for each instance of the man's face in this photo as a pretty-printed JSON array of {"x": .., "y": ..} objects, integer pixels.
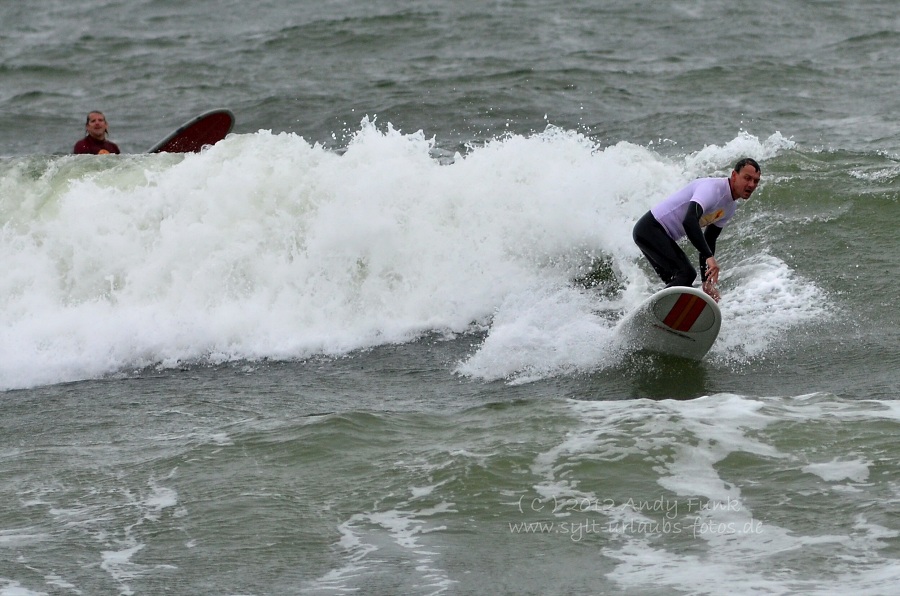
[
  {"x": 743, "y": 183},
  {"x": 96, "y": 125}
]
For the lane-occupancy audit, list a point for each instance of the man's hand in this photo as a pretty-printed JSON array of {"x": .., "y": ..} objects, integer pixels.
[
  {"x": 711, "y": 291},
  {"x": 712, "y": 271}
]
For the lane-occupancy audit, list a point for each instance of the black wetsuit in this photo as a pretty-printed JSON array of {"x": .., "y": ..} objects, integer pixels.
[{"x": 664, "y": 254}]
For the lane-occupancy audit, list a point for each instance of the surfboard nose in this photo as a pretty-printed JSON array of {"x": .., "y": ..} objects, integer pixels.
[
  {"x": 206, "y": 129},
  {"x": 689, "y": 313},
  {"x": 679, "y": 321}
]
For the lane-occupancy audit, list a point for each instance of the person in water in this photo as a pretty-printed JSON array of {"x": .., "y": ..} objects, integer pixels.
[
  {"x": 95, "y": 132},
  {"x": 704, "y": 203}
]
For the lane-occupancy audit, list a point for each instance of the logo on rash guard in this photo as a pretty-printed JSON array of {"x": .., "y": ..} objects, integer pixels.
[{"x": 711, "y": 218}]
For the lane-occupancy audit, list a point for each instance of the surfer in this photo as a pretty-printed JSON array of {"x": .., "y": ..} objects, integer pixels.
[
  {"x": 95, "y": 132},
  {"x": 704, "y": 203}
]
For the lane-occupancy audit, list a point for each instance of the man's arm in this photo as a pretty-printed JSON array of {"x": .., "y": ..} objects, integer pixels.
[
  {"x": 712, "y": 232},
  {"x": 709, "y": 269},
  {"x": 694, "y": 233}
]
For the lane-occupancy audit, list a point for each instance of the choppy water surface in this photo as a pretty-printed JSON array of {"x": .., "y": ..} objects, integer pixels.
[{"x": 347, "y": 348}]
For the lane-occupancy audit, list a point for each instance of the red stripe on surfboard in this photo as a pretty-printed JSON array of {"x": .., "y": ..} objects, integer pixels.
[{"x": 685, "y": 312}]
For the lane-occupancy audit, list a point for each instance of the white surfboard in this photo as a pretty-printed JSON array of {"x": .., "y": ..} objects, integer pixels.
[{"x": 679, "y": 321}]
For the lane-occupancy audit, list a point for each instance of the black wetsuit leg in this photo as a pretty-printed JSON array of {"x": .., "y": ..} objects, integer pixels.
[{"x": 664, "y": 254}]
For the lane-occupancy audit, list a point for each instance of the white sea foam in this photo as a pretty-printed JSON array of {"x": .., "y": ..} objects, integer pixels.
[
  {"x": 738, "y": 539},
  {"x": 10, "y": 587},
  {"x": 20, "y": 537},
  {"x": 836, "y": 470},
  {"x": 393, "y": 533},
  {"x": 267, "y": 246}
]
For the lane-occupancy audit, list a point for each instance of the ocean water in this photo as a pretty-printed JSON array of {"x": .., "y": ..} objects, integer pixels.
[{"x": 367, "y": 343}]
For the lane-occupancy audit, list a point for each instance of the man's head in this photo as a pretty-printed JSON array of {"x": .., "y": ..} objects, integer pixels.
[
  {"x": 96, "y": 125},
  {"x": 744, "y": 178}
]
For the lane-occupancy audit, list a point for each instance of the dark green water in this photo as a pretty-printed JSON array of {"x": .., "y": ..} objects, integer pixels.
[{"x": 332, "y": 354}]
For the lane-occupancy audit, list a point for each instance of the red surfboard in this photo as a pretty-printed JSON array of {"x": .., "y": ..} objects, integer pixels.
[{"x": 206, "y": 129}]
